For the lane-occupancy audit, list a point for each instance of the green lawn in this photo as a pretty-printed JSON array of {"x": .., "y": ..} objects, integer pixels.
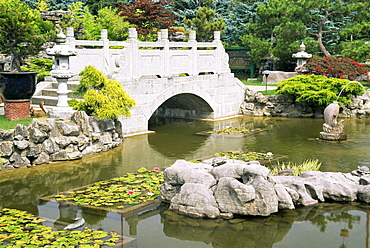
[{"x": 7, "y": 124}]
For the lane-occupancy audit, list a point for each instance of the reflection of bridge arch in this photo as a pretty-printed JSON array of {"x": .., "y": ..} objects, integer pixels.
[{"x": 211, "y": 96}]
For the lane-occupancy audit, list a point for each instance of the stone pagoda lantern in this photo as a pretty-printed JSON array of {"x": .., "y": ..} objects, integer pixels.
[
  {"x": 62, "y": 73},
  {"x": 301, "y": 57}
]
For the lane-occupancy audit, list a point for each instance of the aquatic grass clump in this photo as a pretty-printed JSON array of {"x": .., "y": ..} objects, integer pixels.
[
  {"x": 132, "y": 188},
  {"x": 21, "y": 229},
  {"x": 297, "y": 169},
  {"x": 271, "y": 161}
]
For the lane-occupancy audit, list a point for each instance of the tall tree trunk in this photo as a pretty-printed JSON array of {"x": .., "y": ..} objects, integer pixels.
[{"x": 321, "y": 46}]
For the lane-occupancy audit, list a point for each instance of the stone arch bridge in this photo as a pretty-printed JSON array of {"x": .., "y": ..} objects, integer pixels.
[{"x": 170, "y": 79}]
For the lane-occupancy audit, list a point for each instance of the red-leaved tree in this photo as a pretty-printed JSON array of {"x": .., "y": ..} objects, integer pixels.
[
  {"x": 148, "y": 16},
  {"x": 337, "y": 67}
]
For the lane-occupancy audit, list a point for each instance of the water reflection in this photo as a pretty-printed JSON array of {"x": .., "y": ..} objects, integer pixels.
[
  {"x": 295, "y": 138},
  {"x": 273, "y": 230}
]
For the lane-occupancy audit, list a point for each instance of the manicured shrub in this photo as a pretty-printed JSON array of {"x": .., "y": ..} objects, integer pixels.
[
  {"x": 318, "y": 90},
  {"x": 44, "y": 66},
  {"x": 337, "y": 67},
  {"x": 103, "y": 97}
]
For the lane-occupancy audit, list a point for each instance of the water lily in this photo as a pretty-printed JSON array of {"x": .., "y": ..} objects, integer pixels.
[
  {"x": 130, "y": 192},
  {"x": 150, "y": 193},
  {"x": 269, "y": 154},
  {"x": 156, "y": 169}
]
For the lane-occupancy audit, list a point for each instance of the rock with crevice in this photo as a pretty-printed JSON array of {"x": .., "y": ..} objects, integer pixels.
[{"x": 220, "y": 187}]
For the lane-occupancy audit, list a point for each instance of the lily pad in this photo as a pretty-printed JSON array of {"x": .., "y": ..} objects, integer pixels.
[
  {"x": 116, "y": 193},
  {"x": 21, "y": 229}
]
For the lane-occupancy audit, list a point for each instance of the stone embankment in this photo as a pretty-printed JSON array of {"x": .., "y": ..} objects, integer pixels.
[
  {"x": 53, "y": 140},
  {"x": 257, "y": 104},
  {"x": 222, "y": 188}
]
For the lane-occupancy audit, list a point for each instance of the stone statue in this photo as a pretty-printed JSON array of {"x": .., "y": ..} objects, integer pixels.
[{"x": 332, "y": 129}]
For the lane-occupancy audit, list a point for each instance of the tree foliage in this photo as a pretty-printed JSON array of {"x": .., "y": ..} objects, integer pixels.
[
  {"x": 147, "y": 16},
  {"x": 22, "y": 32},
  {"x": 205, "y": 24},
  {"x": 358, "y": 50},
  {"x": 96, "y": 5},
  {"x": 103, "y": 97},
  {"x": 52, "y": 4},
  {"x": 87, "y": 26},
  {"x": 284, "y": 25},
  {"x": 338, "y": 67},
  {"x": 319, "y": 90}
]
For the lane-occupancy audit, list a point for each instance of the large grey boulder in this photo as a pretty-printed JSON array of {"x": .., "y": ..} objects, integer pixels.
[
  {"x": 221, "y": 187},
  {"x": 230, "y": 186},
  {"x": 276, "y": 76},
  {"x": 196, "y": 200}
]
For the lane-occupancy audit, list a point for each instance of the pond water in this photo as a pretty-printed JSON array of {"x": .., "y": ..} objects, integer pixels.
[{"x": 329, "y": 224}]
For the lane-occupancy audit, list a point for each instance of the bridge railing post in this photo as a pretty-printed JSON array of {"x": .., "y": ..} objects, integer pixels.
[
  {"x": 166, "y": 52},
  {"x": 132, "y": 50},
  {"x": 222, "y": 58},
  {"x": 194, "y": 53},
  {"x": 106, "y": 60}
]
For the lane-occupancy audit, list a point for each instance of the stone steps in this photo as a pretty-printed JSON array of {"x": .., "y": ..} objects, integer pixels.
[{"x": 47, "y": 91}]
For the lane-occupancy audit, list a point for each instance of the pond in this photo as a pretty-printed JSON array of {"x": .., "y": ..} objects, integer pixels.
[{"x": 328, "y": 224}]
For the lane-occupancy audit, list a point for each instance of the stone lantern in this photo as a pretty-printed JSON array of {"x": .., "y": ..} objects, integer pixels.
[
  {"x": 301, "y": 57},
  {"x": 62, "y": 73}
]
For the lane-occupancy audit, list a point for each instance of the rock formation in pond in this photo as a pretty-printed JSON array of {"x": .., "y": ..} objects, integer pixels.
[
  {"x": 222, "y": 188},
  {"x": 332, "y": 129}
]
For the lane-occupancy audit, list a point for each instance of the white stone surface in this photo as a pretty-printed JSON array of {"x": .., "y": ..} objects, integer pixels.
[{"x": 153, "y": 72}]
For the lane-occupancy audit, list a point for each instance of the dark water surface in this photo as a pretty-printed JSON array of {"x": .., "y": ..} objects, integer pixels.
[{"x": 323, "y": 225}]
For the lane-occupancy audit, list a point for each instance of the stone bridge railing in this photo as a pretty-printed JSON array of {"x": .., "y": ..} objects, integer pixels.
[{"x": 136, "y": 59}]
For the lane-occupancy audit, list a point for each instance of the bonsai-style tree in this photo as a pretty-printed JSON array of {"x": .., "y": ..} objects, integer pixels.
[
  {"x": 22, "y": 31},
  {"x": 103, "y": 97}
]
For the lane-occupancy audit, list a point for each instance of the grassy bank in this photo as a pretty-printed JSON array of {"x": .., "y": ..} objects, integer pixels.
[{"x": 7, "y": 124}]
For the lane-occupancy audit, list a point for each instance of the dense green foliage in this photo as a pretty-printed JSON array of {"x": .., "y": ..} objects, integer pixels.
[
  {"x": 205, "y": 23},
  {"x": 44, "y": 66},
  {"x": 281, "y": 26},
  {"x": 53, "y": 4},
  {"x": 319, "y": 90},
  {"x": 103, "y": 97},
  {"x": 22, "y": 31},
  {"x": 357, "y": 50},
  {"x": 87, "y": 26}
]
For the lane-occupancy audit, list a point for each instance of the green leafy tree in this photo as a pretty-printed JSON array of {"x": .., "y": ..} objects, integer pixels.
[
  {"x": 235, "y": 14},
  {"x": 22, "y": 31},
  {"x": 319, "y": 90},
  {"x": 42, "y": 65},
  {"x": 52, "y": 4},
  {"x": 103, "y": 98},
  {"x": 205, "y": 22},
  {"x": 358, "y": 50},
  {"x": 148, "y": 16},
  {"x": 96, "y": 5},
  {"x": 87, "y": 26},
  {"x": 285, "y": 25}
]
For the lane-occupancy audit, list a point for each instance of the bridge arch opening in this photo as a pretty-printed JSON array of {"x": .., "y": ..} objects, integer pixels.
[{"x": 185, "y": 106}]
